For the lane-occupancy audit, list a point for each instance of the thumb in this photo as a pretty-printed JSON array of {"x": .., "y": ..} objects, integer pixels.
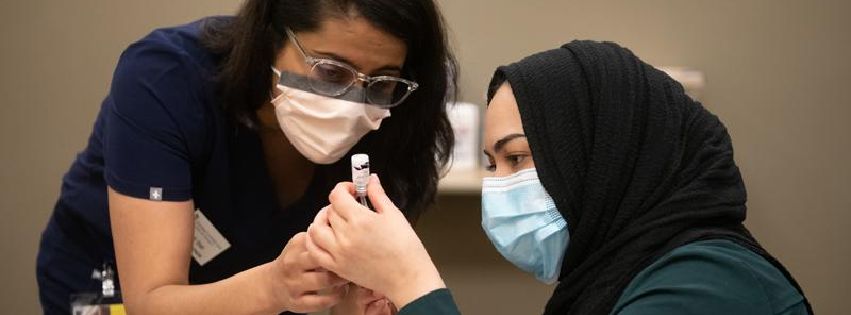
[{"x": 377, "y": 195}]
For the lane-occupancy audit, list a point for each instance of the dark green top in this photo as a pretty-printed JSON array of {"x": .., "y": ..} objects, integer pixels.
[
  {"x": 706, "y": 277},
  {"x": 438, "y": 302},
  {"x": 710, "y": 277}
]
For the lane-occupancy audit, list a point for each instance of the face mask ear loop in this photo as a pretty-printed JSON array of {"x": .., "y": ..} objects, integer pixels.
[{"x": 277, "y": 73}]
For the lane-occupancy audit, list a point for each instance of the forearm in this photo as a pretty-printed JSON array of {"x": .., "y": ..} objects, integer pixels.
[{"x": 242, "y": 293}]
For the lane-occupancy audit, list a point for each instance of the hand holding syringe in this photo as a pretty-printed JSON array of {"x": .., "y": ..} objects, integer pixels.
[{"x": 342, "y": 239}]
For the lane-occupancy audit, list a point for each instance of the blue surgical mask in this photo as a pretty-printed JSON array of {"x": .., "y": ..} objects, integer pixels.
[{"x": 523, "y": 223}]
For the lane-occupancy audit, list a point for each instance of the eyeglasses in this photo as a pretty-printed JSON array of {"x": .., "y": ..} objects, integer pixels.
[{"x": 333, "y": 78}]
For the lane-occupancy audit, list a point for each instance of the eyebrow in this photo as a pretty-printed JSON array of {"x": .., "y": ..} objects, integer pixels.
[
  {"x": 500, "y": 144},
  {"x": 349, "y": 62}
]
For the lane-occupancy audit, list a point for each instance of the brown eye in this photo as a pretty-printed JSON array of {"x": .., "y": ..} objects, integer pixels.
[
  {"x": 384, "y": 87},
  {"x": 330, "y": 73},
  {"x": 516, "y": 160},
  {"x": 381, "y": 92}
]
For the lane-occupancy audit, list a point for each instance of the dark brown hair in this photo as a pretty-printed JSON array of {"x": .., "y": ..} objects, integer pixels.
[{"x": 414, "y": 144}]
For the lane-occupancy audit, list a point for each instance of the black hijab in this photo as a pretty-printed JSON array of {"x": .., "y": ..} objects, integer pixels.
[{"x": 636, "y": 167}]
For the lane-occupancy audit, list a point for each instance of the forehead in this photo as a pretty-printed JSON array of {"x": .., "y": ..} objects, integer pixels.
[
  {"x": 502, "y": 116},
  {"x": 357, "y": 40}
]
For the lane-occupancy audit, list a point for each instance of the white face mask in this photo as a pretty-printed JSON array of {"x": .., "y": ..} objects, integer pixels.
[{"x": 324, "y": 128}]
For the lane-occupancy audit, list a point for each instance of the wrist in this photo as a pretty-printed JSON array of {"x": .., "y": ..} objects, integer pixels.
[
  {"x": 420, "y": 283},
  {"x": 257, "y": 282}
]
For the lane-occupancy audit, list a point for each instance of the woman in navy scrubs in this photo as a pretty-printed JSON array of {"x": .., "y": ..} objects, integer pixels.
[{"x": 220, "y": 139}]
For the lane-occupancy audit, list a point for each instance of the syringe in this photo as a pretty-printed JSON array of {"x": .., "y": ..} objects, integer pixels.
[{"x": 360, "y": 177}]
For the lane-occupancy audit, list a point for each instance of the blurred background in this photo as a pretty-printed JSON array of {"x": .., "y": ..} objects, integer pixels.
[{"x": 776, "y": 72}]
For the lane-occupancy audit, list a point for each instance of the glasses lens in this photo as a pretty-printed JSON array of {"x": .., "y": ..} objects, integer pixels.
[
  {"x": 330, "y": 79},
  {"x": 387, "y": 92}
]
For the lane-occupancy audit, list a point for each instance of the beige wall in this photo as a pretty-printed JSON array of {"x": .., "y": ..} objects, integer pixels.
[
  {"x": 777, "y": 74},
  {"x": 55, "y": 68}
]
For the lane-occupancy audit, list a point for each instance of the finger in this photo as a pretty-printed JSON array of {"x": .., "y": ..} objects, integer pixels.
[
  {"x": 320, "y": 232},
  {"x": 305, "y": 261},
  {"x": 319, "y": 302},
  {"x": 321, "y": 254},
  {"x": 377, "y": 196},
  {"x": 295, "y": 244},
  {"x": 321, "y": 236},
  {"x": 372, "y": 295},
  {"x": 344, "y": 203},
  {"x": 378, "y": 307},
  {"x": 319, "y": 280},
  {"x": 289, "y": 255},
  {"x": 321, "y": 217},
  {"x": 338, "y": 224},
  {"x": 317, "y": 232}
]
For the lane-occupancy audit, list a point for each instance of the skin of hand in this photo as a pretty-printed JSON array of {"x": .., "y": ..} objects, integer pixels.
[
  {"x": 296, "y": 283},
  {"x": 363, "y": 301},
  {"x": 377, "y": 250},
  {"x": 154, "y": 268},
  {"x": 380, "y": 307}
]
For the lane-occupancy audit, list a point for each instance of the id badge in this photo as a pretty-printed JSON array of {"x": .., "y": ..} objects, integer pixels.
[{"x": 106, "y": 302}]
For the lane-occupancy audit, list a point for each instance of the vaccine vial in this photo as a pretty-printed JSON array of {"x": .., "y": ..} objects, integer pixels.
[{"x": 360, "y": 176}]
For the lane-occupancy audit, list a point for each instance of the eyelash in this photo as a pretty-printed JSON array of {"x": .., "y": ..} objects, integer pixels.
[{"x": 514, "y": 159}]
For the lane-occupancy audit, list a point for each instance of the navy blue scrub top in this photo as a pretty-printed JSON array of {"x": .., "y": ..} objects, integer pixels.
[{"x": 160, "y": 133}]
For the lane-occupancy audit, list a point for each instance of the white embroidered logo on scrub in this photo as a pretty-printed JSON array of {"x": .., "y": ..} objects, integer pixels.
[{"x": 156, "y": 193}]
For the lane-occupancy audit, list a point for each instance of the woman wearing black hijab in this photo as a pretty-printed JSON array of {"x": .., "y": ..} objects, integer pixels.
[{"x": 609, "y": 179}]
